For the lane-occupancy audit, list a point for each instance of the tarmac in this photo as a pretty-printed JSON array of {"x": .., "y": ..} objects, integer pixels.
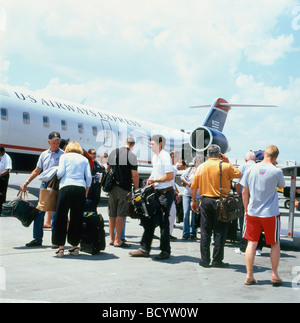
[{"x": 36, "y": 275}]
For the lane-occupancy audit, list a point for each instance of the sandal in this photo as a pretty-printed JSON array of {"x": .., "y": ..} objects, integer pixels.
[
  {"x": 60, "y": 252},
  {"x": 276, "y": 282},
  {"x": 74, "y": 251},
  {"x": 250, "y": 282}
]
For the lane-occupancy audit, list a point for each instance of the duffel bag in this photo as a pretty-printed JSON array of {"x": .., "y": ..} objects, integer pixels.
[{"x": 21, "y": 209}]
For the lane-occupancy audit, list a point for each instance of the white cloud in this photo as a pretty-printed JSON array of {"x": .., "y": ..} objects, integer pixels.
[
  {"x": 204, "y": 37},
  {"x": 255, "y": 128},
  {"x": 2, "y": 19},
  {"x": 150, "y": 58},
  {"x": 268, "y": 51}
]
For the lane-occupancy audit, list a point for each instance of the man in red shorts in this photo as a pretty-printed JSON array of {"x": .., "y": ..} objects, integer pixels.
[{"x": 261, "y": 204}]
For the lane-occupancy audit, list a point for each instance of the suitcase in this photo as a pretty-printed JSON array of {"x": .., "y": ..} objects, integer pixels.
[{"x": 93, "y": 233}]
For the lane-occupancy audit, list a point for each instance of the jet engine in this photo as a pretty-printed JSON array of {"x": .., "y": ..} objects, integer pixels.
[{"x": 203, "y": 137}]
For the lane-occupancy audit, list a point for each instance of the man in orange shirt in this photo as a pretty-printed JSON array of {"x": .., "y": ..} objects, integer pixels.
[{"x": 207, "y": 181}]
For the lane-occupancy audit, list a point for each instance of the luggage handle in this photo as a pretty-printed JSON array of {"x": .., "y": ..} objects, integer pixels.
[{"x": 22, "y": 195}]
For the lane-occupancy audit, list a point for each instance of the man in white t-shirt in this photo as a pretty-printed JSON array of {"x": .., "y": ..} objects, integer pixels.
[
  {"x": 162, "y": 178},
  {"x": 260, "y": 182}
]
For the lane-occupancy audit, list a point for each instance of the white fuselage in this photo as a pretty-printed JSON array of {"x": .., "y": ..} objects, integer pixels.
[{"x": 27, "y": 119}]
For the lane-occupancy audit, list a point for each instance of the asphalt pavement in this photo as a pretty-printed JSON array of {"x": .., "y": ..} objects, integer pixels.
[{"x": 36, "y": 275}]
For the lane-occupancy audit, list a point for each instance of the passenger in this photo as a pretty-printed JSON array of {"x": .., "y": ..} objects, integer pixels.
[
  {"x": 49, "y": 215},
  {"x": 124, "y": 163},
  {"x": 63, "y": 143},
  {"x": 162, "y": 177},
  {"x": 189, "y": 228},
  {"x": 75, "y": 179},
  {"x": 250, "y": 160},
  {"x": 5, "y": 168},
  {"x": 207, "y": 181},
  {"x": 93, "y": 197},
  {"x": 47, "y": 159},
  {"x": 102, "y": 162},
  {"x": 261, "y": 182},
  {"x": 175, "y": 156}
]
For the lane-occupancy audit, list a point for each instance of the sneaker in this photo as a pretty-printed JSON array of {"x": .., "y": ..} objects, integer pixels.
[
  {"x": 239, "y": 251},
  {"x": 163, "y": 255},
  {"x": 258, "y": 252},
  {"x": 33, "y": 243},
  {"x": 139, "y": 253}
]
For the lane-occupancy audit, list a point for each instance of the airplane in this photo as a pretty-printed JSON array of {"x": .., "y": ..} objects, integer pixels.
[{"x": 28, "y": 118}]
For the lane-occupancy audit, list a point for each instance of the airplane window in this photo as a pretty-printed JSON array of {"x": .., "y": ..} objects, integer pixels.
[
  {"x": 95, "y": 131},
  {"x": 64, "y": 125},
  {"x": 80, "y": 128},
  {"x": 4, "y": 114},
  {"x": 46, "y": 122},
  {"x": 26, "y": 118}
]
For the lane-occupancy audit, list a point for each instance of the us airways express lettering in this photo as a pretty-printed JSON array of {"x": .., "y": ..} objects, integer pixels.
[{"x": 76, "y": 109}]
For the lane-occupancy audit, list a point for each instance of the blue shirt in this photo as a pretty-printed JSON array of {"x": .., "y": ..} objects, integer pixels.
[
  {"x": 49, "y": 159},
  {"x": 262, "y": 181}
]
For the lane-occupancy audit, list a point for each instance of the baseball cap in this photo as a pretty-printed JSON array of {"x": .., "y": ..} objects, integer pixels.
[{"x": 54, "y": 135}]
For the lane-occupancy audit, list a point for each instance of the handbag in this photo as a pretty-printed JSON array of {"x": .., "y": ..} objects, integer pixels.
[
  {"x": 48, "y": 196},
  {"x": 21, "y": 209},
  {"x": 108, "y": 181},
  {"x": 231, "y": 207}
]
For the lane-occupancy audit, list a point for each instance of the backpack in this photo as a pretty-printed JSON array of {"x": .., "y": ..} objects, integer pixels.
[{"x": 145, "y": 202}]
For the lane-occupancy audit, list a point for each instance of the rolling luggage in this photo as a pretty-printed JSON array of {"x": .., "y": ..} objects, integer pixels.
[{"x": 93, "y": 233}]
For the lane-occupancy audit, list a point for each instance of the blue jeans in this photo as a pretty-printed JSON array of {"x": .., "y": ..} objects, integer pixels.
[
  {"x": 38, "y": 223},
  {"x": 189, "y": 230}
]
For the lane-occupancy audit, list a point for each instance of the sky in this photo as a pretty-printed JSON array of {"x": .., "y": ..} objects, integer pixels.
[{"x": 152, "y": 60}]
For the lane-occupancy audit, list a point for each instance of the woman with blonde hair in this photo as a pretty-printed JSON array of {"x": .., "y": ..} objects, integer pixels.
[{"x": 75, "y": 179}]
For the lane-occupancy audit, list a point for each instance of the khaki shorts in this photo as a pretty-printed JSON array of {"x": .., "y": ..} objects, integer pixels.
[{"x": 117, "y": 203}]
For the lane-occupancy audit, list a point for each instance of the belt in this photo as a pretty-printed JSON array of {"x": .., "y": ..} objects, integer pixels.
[
  {"x": 212, "y": 197},
  {"x": 165, "y": 190}
]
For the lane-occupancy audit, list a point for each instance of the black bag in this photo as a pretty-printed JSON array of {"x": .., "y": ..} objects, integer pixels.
[
  {"x": 21, "y": 209},
  {"x": 108, "y": 181},
  {"x": 230, "y": 207},
  {"x": 179, "y": 212},
  {"x": 145, "y": 202},
  {"x": 93, "y": 233}
]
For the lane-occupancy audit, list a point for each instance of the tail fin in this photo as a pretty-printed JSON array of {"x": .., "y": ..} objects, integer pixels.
[{"x": 217, "y": 115}]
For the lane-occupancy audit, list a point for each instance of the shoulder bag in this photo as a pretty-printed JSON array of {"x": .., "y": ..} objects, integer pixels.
[
  {"x": 48, "y": 196},
  {"x": 230, "y": 207}
]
